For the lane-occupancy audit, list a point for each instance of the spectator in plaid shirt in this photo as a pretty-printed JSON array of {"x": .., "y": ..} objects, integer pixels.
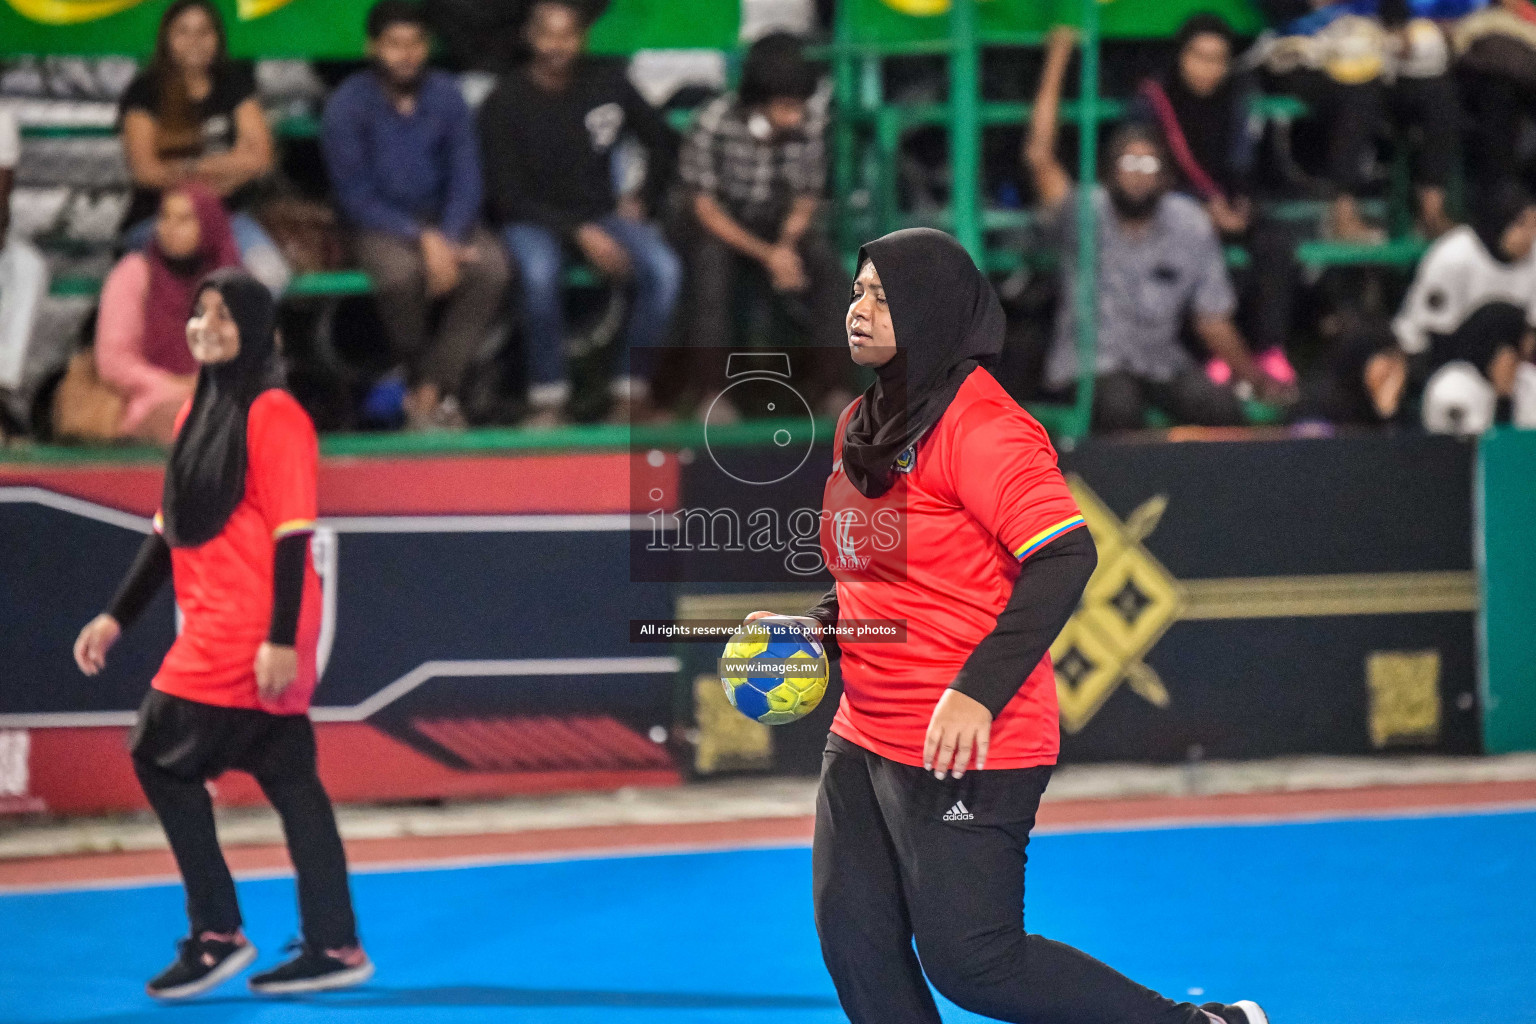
[{"x": 754, "y": 167}]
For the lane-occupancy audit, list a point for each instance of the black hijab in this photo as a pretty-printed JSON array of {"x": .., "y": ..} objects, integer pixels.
[
  {"x": 205, "y": 478},
  {"x": 947, "y": 321},
  {"x": 1494, "y": 208},
  {"x": 1208, "y": 122}
]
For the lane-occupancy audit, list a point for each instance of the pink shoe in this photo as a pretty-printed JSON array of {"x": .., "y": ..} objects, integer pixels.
[
  {"x": 1273, "y": 362},
  {"x": 1218, "y": 371}
]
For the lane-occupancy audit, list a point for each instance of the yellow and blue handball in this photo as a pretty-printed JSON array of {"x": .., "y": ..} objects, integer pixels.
[{"x": 774, "y": 670}]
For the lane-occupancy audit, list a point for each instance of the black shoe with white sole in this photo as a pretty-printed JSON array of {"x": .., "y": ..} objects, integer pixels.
[
  {"x": 200, "y": 965},
  {"x": 315, "y": 970},
  {"x": 1244, "y": 1011}
]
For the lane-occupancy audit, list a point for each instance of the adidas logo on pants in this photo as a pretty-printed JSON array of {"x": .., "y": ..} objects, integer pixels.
[{"x": 958, "y": 812}]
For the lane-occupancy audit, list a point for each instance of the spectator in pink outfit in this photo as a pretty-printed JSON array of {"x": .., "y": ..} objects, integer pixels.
[{"x": 141, "y": 328}]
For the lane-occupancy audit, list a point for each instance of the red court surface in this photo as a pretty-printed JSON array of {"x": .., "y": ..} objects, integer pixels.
[{"x": 138, "y": 867}]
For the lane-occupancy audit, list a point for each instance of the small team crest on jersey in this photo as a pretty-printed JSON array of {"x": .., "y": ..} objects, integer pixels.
[{"x": 906, "y": 460}]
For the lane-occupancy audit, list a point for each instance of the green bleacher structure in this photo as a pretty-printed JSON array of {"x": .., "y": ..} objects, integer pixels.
[
  {"x": 325, "y": 284},
  {"x": 868, "y": 130}
]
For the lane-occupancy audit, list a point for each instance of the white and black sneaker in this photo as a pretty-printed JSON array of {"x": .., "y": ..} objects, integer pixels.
[
  {"x": 202, "y": 963},
  {"x": 1244, "y": 1011},
  {"x": 315, "y": 970}
]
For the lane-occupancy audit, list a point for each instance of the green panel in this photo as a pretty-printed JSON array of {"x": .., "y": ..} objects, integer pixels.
[
  {"x": 631, "y": 25},
  {"x": 1402, "y": 253},
  {"x": 300, "y": 28},
  {"x": 332, "y": 282},
  {"x": 130, "y": 32},
  {"x": 883, "y": 21},
  {"x": 325, "y": 28},
  {"x": 1506, "y": 497}
]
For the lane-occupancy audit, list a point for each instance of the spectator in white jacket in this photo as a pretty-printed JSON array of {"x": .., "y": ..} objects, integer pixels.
[
  {"x": 1472, "y": 301},
  {"x": 23, "y": 274}
]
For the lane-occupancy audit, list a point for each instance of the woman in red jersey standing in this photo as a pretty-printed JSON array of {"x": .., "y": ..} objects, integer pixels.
[
  {"x": 233, "y": 531},
  {"x": 911, "y": 843}
]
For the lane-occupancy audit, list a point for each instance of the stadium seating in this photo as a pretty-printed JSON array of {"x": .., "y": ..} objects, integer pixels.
[{"x": 867, "y": 135}]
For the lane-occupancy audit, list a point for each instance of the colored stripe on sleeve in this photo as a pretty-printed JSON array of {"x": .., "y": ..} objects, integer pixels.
[
  {"x": 1046, "y": 536},
  {"x": 293, "y": 526}
]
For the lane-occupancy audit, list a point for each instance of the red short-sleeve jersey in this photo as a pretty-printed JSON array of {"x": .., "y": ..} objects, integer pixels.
[
  {"x": 978, "y": 494},
  {"x": 224, "y": 587}
]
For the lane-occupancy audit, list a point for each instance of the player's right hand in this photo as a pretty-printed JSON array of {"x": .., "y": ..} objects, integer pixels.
[
  {"x": 786, "y": 270},
  {"x": 816, "y": 627},
  {"x": 441, "y": 261},
  {"x": 94, "y": 641}
]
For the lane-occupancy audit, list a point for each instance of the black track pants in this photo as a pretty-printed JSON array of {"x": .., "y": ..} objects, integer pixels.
[
  {"x": 180, "y": 744},
  {"x": 901, "y": 855}
]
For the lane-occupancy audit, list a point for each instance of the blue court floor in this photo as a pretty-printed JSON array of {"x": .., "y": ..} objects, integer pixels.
[{"x": 1407, "y": 921}]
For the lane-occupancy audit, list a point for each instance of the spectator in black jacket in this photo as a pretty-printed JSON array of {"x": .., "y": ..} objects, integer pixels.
[
  {"x": 549, "y": 132},
  {"x": 486, "y": 35}
]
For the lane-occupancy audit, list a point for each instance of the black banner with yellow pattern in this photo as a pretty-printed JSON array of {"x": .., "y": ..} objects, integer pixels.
[{"x": 1253, "y": 598}]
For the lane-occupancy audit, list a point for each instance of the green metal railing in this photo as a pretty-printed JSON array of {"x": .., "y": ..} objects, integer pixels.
[
  {"x": 1085, "y": 293},
  {"x": 867, "y": 138}
]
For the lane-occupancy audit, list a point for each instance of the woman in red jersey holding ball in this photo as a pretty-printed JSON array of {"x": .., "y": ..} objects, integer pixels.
[
  {"x": 911, "y": 843},
  {"x": 233, "y": 531}
]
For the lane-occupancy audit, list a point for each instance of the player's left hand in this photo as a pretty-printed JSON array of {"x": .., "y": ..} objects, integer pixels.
[
  {"x": 960, "y": 727},
  {"x": 276, "y": 668}
]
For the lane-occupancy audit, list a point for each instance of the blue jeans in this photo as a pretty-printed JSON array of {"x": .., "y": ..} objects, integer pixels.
[
  {"x": 258, "y": 252},
  {"x": 540, "y": 259}
]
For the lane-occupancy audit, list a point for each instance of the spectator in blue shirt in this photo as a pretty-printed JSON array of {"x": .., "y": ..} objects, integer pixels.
[{"x": 404, "y": 162}]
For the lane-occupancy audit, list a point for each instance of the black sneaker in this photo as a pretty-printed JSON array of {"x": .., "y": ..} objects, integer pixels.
[
  {"x": 315, "y": 970},
  {"x": 1244, "y": 1011},
  {"x": 200, "y": 965}
]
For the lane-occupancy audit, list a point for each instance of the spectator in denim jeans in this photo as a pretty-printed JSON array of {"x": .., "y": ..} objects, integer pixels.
[
  {"x": 549, "y": 132},
  {"x": 193, "y": 115}
]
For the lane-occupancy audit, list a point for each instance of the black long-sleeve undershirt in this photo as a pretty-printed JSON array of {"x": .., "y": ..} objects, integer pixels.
[
  {"x": 1045, "y": 595},
  {"x": 287, "y": 587},
  {"x": 825, "y": 613},
  {"x": 152, "y": 567}
]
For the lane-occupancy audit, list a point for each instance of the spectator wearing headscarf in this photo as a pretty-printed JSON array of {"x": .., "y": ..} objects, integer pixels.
[
  {"x": 1159, "y": 264},
  {"x": 141, "y": 327},
  {"x": 1202, "y": 111},
  {"x": 1472, "y": 301}
]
